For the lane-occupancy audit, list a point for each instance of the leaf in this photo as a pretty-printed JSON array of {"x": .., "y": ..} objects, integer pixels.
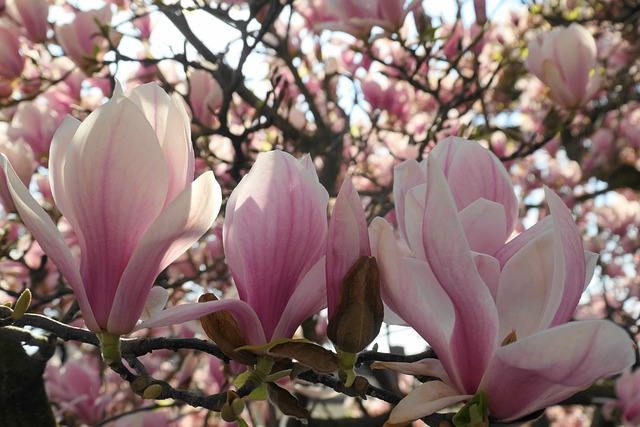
[
  {"x": 312, "y": 355},
  {"x": 304, "y": 351},
  {"x": 259, "y": 393},
  {"x": 475, "y": 413}
]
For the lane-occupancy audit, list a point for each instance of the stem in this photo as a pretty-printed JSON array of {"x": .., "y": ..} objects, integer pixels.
[
  {"x": 346, "y": 371},
  {"x": 257, "y": 376},
  {"x": 110, "y": 346}
]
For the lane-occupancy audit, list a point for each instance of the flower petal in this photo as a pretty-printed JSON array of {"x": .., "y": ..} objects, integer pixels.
[
  {"x": 57, "y": 155},
  {"x": 450, "y": 258},
  {"x": 473, "y": 172},
  {"x": 274, "y": 231},
  {"x": 521, "y": 240},
  {"x": 308, "y": 299},
  {"x": 572, "y": 255},
  {"x": 528, "y": 295},
  {"x": 49, "y": 238},
  {"x": 244, "y": 315},
  {"x": 424, "y": 400},
  {"x": 347, "y": 240},
  {"x": 560, "y": 92},
  {"x": 576, "y": 56},
  {"x": 179, "y": 225},
  {"x": 116, "y": 183},
  {"x": 406, "y": 175},
  {"x": 412, "y": 292},
  {"x": 425, "y": 367},
  {"x": 484, "y": 225},
  {"x": 414, "y": 217},
  {"x": 170, "y": 122},
  {"x": 545, "y": 368},
  {"x": 391, "y": 266},
  {"x": 156, "y": 301},
  {"x": 591, "y": 261},
  {"x": 489, "y": 269}
]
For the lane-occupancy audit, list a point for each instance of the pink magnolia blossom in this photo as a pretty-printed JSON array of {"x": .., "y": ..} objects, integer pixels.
[
  {"x": 628, "y": 403},
  {"x": 347, "y": 241},
  {"x": 123, "y": 179},
  {"x": 145, "y": 24},
  {"x": 205, "y": 96},
  {"x": 35, "y": 122},
  {"x": 480, "y": 9},
  {"x": 11, "y": 59},
  {"x": 496, "y": 314},
  {"x": 358, "y": 17},
  {"x": 466, "y": 165},
  {"x": 82, "y": 40},
  {"x": 77, "y": 389},
  {"x": 453, "y": 34},
  {"x": 565, "y": 60},
  {"x": 31, "y": 15},
  {"x": 274, "y": 235},
  {"x": 392, "y": 98}
]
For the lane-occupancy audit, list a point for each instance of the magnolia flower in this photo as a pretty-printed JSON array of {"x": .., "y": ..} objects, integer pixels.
[
  {"x": 83, "y": 41},
  {"x": 627, "y": 406},
  {"x": 205, "y": 96},
  {"x": 480, "y": 186},
  {"x": 77, "y": 390},
  {"x": 35, "y": 123},
  {"x": 12, "y": 60},
  {"x": 480, "y": 9},
  {"x": 565, "y": 60},
  {"x": 353, "y": 282},
  {"x": 123, "y": 179},
  {"x": 348, "y": 240},
  {"x": 628, "y": 391},
  {"x": 496, "y": 314},
  {"x": 359, "y": 17},
  {"x": 274, "y": 234},
  {"x": 31, "y": 15}
]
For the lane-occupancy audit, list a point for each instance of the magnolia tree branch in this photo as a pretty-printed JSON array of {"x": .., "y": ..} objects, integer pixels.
[
  {"x": 146, "y": 386},
  {"x": 225, "y": 74}
]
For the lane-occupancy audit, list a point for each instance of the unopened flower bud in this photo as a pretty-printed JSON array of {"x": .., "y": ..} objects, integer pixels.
[
  {"x": 238, "y": 406},
  {"x": 152, "y": 392},
  {"x": 226, "y": 413},
  {"x": 22, "y": 304},
  {"x": 232, "y": 409},
  {"x": 357, "y": 318}
]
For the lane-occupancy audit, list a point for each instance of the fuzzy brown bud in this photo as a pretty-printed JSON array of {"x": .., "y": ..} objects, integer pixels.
[{"x": 358, "y": 316}]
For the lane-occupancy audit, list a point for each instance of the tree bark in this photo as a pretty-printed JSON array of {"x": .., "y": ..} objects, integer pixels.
[{"x": 23, "y": 399}]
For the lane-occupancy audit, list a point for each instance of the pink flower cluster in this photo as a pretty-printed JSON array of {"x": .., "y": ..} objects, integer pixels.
[
  {"x": 456, "y": 276},
  {"x": 494, "y": 309}
]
